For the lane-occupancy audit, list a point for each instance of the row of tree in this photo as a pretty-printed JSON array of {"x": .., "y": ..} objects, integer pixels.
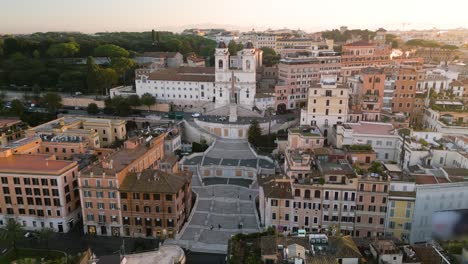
[
  {"x": 122, "y": 106},
  {"x": 50, "y": 60}
]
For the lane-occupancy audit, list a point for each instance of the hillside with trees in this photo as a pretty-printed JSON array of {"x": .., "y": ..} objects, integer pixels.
[{"x": 65, "y": 62}]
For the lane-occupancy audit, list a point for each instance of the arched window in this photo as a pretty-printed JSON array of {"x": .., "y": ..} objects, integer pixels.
[
  {"x": 297, "y": 192},
  {"x": 247, "y": 64},
  {"x": 307, "y": 194},
  {"x": 220, "y": 64},
  {"x": 317, "y": 194}
]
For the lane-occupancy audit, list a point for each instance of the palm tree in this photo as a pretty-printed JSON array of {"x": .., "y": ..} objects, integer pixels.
[
  {"x": 270, "y": 111},
  {"x": 12, "y": 232},
  {"x": 44, "y": 235}
]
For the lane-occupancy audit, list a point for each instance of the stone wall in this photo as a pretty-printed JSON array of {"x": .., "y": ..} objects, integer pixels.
[{"x": 83, "y": 102}]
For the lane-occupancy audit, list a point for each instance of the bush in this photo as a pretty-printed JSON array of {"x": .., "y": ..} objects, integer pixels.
[{"x": 92, "y": 109}]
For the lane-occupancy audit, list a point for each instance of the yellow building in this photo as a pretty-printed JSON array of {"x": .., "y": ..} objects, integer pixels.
[
  {"x": 400, "y": 214},
  {"x": 99, "y": 132}
]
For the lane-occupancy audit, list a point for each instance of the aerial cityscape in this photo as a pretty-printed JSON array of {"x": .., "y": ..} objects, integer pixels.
[{"x": 233, "y": 132}]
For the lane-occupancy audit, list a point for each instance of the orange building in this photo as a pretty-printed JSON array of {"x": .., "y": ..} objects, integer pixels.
[
  {"x": 371, "y": 206},
  {"x": 11, "y": 130},
  {"x": 405, "y": 90},
  {"x": 361, "y": 54},
  {"x": 155, "y": 203},
  {"x": 39, "y": 191},
  {"x": 99, "y": 183}
]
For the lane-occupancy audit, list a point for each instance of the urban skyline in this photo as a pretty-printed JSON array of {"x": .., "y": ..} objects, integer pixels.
[{"x": 90, "y": 17}]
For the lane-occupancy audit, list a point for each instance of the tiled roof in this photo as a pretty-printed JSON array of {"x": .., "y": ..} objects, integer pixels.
[
  {"x": 402, "y": 194},
  {"x": 34, "y": 164},
  {"x": 195, "y": 59},
  {"x": 371, "y": 128},
  {"x": 274, "y": 188},
  {"x": 9, "y": 122},
  {"x": 185, "y": 74},
  {"x": 171, "y": 159},
  {"x": 154, "y": 181}
]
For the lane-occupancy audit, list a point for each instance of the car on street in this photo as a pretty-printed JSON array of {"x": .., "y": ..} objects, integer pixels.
[
  {"x": 222, "y": 119},
  {"x": 196, "y": 115}
]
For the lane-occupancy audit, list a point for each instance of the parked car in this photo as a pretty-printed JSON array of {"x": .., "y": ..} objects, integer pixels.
[
  {"x": 195, "y": 115},
  {"x": 222, "y": 119}
]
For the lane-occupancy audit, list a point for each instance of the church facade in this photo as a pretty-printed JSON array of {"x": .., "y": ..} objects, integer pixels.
[{"x": 232, "y": 80}]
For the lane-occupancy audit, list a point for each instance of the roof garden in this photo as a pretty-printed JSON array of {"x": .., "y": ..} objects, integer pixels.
[
  {"x": 358, "y": 148},
  {"x": 306, "y": 131}
]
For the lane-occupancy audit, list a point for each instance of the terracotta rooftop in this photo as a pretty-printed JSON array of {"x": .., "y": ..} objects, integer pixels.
[
  {"x": 120, "y": 160},
  {"x": 34, "y": 164},
  {"x": 402, "y": 194},
  {"x": 171, "y": 159},
  {"x": 427, "y": 254},
  {"x": 456, "y": 172},
  {"x": 371, "y": 128},
  {"x": 275, "y": 188},
  {"x": 9, "y": 122},
  {"x": 456, "y": 83},
  {"x": 184, "y": 74},
  {"x": 195, "y": 59},
  {"x": 155, "y": 181},
  {"x": 429, "y": 179}
]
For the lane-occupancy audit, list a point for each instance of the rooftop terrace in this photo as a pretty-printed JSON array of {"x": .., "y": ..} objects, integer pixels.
[{"x": 34, "y": 164}]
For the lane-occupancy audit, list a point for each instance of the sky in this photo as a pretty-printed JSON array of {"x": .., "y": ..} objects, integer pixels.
[{"x": 89, "y": 16}]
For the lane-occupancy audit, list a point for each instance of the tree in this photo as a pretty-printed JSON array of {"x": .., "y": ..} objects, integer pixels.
[
  {"x": 52, "y": 101},
  {"x": 17, "y": 107},
  {"x": 92, "y": 109},
  {"x": 270, "y": 57},
  {"x": 36, "y": 54},
  {"x": 63, "y": 50},
  {"x": 134, "y": 100},
  {"x": 12, "y": 232},
  {"x": 44, "y": 235},
  {"x": 122, "y": 65},
  {"x": 148, "y": 100},
  {"x": 254, "y": 132},
  {"x": 110, "y": 51},
  {"x": 269, "y": 111},
  {"x": 106, "y": 79},
  {"x": 121, "y": 106},
  {"x": 71, "y": 81},
  {"x": 91, "y": 76},
  {"x": 232, "y": 47}
]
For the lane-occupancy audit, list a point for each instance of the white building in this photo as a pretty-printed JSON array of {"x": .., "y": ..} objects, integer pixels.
[
  {"x": 381, "y": 136},
  {"x": 435, "y": 194},
  {"x": 205, "y": 88},
  {"x": 327, "y": 105},
  {"x": 264, "y": 101},
  {"x": 242, "y": 79}
]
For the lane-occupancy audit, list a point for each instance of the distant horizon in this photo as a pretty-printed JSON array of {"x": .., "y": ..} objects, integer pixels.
[
  {"x": 89, "y": 16},
  {"x": 180, "y": 29}
]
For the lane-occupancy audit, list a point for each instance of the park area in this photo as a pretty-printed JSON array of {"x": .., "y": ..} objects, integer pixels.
[{"x": 34, "y": 256}]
